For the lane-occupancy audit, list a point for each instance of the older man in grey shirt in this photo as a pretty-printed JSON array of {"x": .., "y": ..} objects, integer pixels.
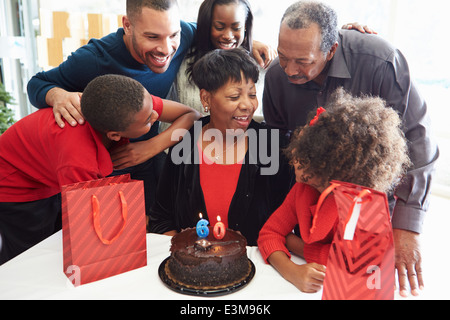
[{"x": 315, "y": 59}]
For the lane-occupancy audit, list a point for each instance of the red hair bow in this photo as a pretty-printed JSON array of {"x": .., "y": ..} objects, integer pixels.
[{"x": 316, "y": 118}]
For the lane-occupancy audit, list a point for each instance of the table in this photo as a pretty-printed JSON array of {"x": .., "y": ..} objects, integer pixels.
[{"x": 38, "y": 274}]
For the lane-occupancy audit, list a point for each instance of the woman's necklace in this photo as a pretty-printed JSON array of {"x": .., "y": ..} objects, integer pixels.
[{"x": 236, "y": 141}]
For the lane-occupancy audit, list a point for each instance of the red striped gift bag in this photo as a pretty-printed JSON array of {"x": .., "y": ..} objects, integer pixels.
[
  {"x": 361, "y": 263},
  {"x": 104, "y": 228}
]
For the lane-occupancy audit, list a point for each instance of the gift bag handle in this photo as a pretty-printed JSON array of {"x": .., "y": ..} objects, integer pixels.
[
  {"x": 325, "y": 194},
  {"x": 322, "y": 198},
  {"x": 96, "y": 215},
  {"x": 353, "y": 213}
]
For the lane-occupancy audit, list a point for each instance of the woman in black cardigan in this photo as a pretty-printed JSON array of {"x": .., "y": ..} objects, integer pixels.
[{"x": 227, "y": 164}]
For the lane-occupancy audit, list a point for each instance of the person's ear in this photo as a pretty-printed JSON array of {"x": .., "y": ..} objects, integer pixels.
[
  {"x": 114, "y": 135},
  {"x": 332, "y": 52},
  {"x": 205, "y": 98},
  {"x": 126, "y": 25}
]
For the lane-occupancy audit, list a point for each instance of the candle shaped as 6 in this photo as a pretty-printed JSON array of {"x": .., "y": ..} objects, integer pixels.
[
  {"x": 219, "y": 230},
  {"x": 202, "y": 227}
]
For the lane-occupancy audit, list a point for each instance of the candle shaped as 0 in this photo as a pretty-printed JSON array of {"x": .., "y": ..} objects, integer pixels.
[
  {"x": 219, "y": 229},
  {"x": 202, "y": 228}
]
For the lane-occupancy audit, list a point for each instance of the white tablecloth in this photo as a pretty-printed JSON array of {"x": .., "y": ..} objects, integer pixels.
[{"x": 38, "y": 274}]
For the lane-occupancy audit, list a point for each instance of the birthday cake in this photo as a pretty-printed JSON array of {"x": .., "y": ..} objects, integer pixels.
[{"x": 208, "y": 263}]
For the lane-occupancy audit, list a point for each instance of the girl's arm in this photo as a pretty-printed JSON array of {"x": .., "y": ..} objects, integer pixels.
[
  {"x": 295, "y": 244},
  {"x": 307, "y": 278}
]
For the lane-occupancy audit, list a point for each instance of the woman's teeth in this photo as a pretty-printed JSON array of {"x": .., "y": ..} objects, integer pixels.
[{"x": 227, "y": 45}]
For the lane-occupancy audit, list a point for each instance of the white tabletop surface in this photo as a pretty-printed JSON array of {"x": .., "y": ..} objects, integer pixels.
[{"x": 38, "y": 272}]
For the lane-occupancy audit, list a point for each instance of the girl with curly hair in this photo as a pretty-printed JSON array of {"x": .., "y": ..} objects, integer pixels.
[{"x": 355, "y": 140}]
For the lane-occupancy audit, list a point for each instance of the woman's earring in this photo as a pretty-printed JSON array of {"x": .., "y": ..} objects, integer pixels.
[{"x": 206, "y": 109}]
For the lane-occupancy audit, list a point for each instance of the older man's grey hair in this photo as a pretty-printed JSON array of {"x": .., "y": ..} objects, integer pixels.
[{"x": 301, "y": 14}]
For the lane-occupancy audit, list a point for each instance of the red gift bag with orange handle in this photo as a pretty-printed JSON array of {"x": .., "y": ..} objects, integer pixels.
[
  {"x": 361, "y": 262},
  {"x": 104, "y": 228}
]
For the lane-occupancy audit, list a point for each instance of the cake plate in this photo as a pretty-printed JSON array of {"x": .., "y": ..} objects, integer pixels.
[{"x": 202, "y": 292}]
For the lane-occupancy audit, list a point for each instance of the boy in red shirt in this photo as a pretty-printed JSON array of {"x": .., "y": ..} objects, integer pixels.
[
  {"x": 357, "y": 140},
  {"x": 37, "y": 158}
]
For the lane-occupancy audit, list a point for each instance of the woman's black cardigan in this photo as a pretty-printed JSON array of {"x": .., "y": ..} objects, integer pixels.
[{"x": 179, "y": 197}]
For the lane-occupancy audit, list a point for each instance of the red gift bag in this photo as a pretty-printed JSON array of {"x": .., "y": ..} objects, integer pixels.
[
  {"x": 104, "y": 228},
  {"x": 361, "y": 259}
]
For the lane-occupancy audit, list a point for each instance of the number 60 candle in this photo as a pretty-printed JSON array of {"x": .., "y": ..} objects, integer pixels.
[
  {"x": 219, "y": 229},
  {"x": 202, "y": 227}
]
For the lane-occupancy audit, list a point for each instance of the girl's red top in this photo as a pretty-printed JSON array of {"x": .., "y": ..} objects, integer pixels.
[{"x": 299, "y": 208}]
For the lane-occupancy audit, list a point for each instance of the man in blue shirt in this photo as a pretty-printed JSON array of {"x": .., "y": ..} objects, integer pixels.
[{"x": 150, "y": 49}]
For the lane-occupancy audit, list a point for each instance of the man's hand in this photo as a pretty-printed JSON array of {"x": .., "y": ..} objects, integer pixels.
[
  {"x": 66, "y": 105},
  {"x": 408, "y": 261}
]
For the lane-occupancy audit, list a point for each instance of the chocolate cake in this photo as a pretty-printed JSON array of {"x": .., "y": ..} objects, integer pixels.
[{"x": 208, "y": 263}]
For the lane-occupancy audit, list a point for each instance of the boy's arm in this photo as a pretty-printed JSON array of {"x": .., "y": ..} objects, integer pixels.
[{"x": 181, "y": 117}]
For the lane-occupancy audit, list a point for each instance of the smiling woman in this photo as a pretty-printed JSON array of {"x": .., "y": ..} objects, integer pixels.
[
  {"x": 226, "y": 79},
  {"x": 225, "y": 24},
  {"x": 231, "y": 98}
]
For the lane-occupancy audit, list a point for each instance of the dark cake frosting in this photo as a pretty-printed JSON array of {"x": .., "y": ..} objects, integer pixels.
[{"x": 212, "y": 264}]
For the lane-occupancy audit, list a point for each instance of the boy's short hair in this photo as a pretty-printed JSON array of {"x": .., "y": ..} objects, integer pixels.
[
  {"x": 219, "y": 66},
  {"x": 357, "y": 140},
  {"x": 110, "y": 102},
  {"x": 134, "y": 7}
]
